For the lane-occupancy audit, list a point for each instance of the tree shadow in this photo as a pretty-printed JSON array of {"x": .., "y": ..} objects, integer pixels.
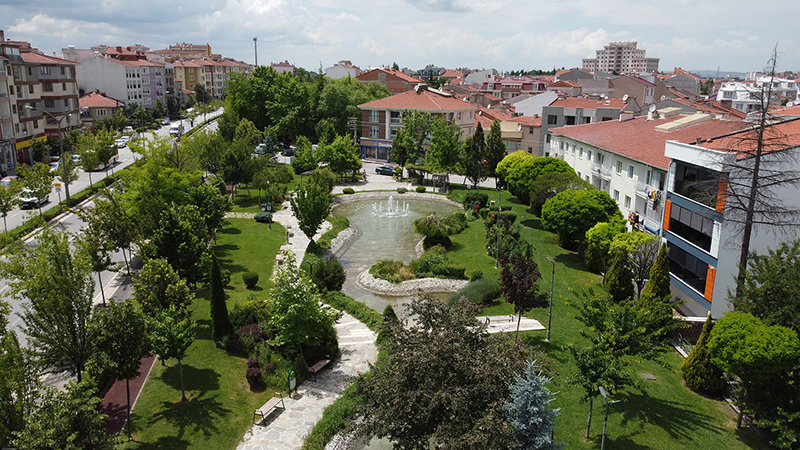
[
  {"x": 224, "y": 250},
  {"x": 570, "y": 260},
  {"x": 198, "y": 414},
  {"x": 171, "y": 442},
  {"x": 229, "y": 230},
  {"x": 194, "y": 379},
  {"x": 204, "y": 330},
  {"x": 532, "y": 222}
]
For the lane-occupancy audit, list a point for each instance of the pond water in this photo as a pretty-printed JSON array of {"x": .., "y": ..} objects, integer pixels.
[{"x": 385, "y": 231}]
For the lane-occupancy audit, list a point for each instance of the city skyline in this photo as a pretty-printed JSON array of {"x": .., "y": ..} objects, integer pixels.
[{"x": 699, "y": 35}]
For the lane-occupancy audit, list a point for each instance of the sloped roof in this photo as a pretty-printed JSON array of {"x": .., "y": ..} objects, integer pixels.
[
  {"x": 639, "y": 138},
  {"x": 32, "y": 57},
  {"x": 421, "y": 99},
  {"x": 450, "y": 73},
  {"x": 528, "y": 121},
  {"x": 96, "y": 100},
  {"x": 793, "y": 111},
  {"x": 588, "y": 103},
  {"x": 778, "y": 136}
]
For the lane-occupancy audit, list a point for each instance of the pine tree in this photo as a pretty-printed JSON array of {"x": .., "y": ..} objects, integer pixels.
[
  {"x": 220, "y": 321},
  {"x": 619, "y": 281},
  {"x": 699, "y": 373},
  {"x": 529, "y": 411},
  {"x": 658, "y": 284}
]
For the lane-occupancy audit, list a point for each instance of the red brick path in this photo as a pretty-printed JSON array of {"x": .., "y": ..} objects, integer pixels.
[{"x": 115, "y": 401}]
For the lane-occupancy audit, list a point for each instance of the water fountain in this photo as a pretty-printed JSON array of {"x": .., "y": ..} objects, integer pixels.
[{"x": 392, "y": 209}]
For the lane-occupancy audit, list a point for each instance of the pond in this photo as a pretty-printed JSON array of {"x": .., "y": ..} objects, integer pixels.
[{"x": 385, "y": 231}]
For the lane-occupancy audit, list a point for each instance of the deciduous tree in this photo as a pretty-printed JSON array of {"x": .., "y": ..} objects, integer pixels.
[
  {"x": 642, "y": 249},
  {"x": 572, "y": 213},
  {"x": 311, "y": 204},
  {"x": 159, "y": 287},
  {"x": 171, "y": 333},
  {"x": 181, "y": 239},
  {"x": 518, "y": 283},
  {"x": 9, "y": 199},
  {"x": 38, "y": 179}
]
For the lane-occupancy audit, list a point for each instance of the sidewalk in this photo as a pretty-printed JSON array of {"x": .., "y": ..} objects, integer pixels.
[
  {"x": 116, "y": 399},
  {"x": 286, "y": 429}
]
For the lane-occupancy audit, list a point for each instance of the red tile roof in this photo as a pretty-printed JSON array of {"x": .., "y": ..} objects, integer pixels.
[
  {"x": 587, "y": 103},
  {"x": 422, "y": 100},
  {"x": 638, "y": 138},
  {"x": 794, "y": 111},
  {"x": 528, "y": 121},
  {"x": 776, "y": 137},
  {"x": 449, "y": 73},
  {"x": 95, "y": 100},
  {"x": 44, "y": 59},
  {"x": 565, "y": 83}
]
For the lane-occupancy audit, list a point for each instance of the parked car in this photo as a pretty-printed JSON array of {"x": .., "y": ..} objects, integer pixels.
[
  {"x": 261, "y": 149},
  {"x": 289, "y": 151},
  {"x": 164, "y": 121},
  {"x": 29, "y": 200},
  {"x": 121, "y": 142},
  {"x": 76, "y": 158},
  {"x": 6, "y": 181},
  {"x": 176, "y": 129},
  {"x": 54, "y": 166},
  {"x": 385, "y": 170}
]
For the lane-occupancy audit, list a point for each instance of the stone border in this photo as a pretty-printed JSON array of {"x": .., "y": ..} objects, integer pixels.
[
  {"x": 358, "y": 196},
  {"x": 407, "y": 288}
]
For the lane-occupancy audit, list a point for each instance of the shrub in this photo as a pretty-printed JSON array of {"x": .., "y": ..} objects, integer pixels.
[
  {"x": 474, "y": 275},
  {"x": 481, "y": 292},
  {"x": 473, "y": 198},
  {"x": 247, "y": 313},
  {"x": 251, "y": 363},
  {"x": 225, "y": 275},
  {"x": 391, "y": 271},
  {"x": 254, "y": 377},
  {"x": 430, "y": 242},
  {"x": 421, "y": 189},
  {"x": 250, "y": 279},
  {"x": 329, "y": 275},
  {"x": 324, "y": 178},
  {"x": 269, "y": 368},
  {"x": 389, "y": 314},
  {"x": 348, "y": 191},
  {"x": 402, "y": 190},
  {"x": 699, "y": 373},
  {"x": 483, "y": 212},
  {"x": 452, "y": 271}
]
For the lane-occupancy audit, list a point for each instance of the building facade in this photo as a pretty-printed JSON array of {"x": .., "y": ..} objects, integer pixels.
[
  {"x": 621, "y": 58},
  {"x": 395, "y": 81}
]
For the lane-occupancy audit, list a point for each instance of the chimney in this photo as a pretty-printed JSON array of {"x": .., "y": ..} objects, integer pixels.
[
  {"x": 119, "y": 49},
  {"x": 625, "y": 116}
]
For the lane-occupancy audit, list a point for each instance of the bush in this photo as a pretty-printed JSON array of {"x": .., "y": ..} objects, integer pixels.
[
  {"x": 254, "y": 377},
  {"x": 483, "y": 212},
  {"x": 474, "y": 275},
  {"x": 324, "y": 178},
  {"x": 481, "y": 292},
  {"x": 225, "y": 275},
  {"x": 402, "y": 190},
  {"x": 391, "y": 271},
  {"x": 329, "y": 275},
  {"x": 269, "y": 368},
  {"x": 251, "y": 363},
  {"x": 388, "y": 314},
  {"x": 430, "y": 242},
  {"x": 250, "y": 279},
  {"x": 473, "y": 198},
  {"x": 250, "y": 312},
  {"x": 348, "y": 191},
  {"x": 421, "y": 189}
]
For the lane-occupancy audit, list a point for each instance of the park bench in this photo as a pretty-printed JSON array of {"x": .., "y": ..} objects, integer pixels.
[
  {"x": 317, "y": 367},
  {"x": 496, "y": 319},
  {"x": 268, "y": 407}
]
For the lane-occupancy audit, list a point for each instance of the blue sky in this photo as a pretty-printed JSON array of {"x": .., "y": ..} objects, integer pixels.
[{"x": 733, "y": 35}]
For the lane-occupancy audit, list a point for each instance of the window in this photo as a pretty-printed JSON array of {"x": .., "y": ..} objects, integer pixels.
[
  {"x": 145, "y": 80},
  {"x": 44, "y": 70},
  {"x": 727, "y": 94},
  {"x": 63, "y": 71},
  {"x": 63, "y": 87},
  {"x": 49, "y": 103},
  {"x": 552, "y": 119},
  {"x": 374, "y": 132},
  {"x": 616, "y": 195},
  {"x": 30, "y": 89},
  {"x": 580, "y": 153},
  {"x": 35, "y": 124},
  {"x": 101, "y": 112},
  {"x": 630, "y": 171},
  {"x": 627, "y": 202},
  {"x": 66, "y": 102},
  {"x": 578, "y": 173},
  {"x": 191, "y": 78},
  {"x": 561, "y": 145},
  {"x": 589, "y": 155},
  {"x": 47, "y": 87},
  {"x": 30, "y": 71},
  {"x": 374, "y": 116}
]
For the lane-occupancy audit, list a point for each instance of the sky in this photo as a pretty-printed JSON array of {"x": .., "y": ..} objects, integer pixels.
[{"x": 732, "y": 35}]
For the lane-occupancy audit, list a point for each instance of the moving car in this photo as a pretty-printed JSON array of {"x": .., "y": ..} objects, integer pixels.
[
  {"x": 385, "y": 170},
  {"x": 176, "y": 129},
  {"x": 29, "y": 200},
  {"x": 54, "y": 166},
  {"x": 164, "y": 121}
]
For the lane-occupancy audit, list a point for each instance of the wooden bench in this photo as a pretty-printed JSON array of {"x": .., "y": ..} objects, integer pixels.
[
  {"x": 268, "y": 407},
  {"x": 317, "y": 367},
  {"x": 508, "y": 318}
]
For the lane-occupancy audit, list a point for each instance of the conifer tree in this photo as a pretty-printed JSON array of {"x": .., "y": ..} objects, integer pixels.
[
  {"x": 529, "y": 411},
  {"x": 699, "y": 373},
  {"x": 619, "y": 281},
  {"x": 658, "y": 284},
  {"x": 220, "y": 321}
]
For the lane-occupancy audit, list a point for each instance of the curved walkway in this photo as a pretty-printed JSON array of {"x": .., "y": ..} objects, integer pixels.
[{"x": 287, "y": 429}]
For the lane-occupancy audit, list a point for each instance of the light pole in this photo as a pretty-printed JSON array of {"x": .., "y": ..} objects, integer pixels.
[
  {"x": 60, "y": 146},
  {"x": 255, "y": 49},
  {"x": 605, "y": 421},
  {"x": 550, "y": 314},
  {"x": 310, "y": 264}
]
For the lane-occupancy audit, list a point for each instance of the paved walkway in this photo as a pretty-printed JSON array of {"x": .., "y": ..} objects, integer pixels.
[{"x": 287, "y": 429}]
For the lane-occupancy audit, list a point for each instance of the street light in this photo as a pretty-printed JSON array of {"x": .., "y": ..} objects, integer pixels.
[
  {"x": 550, "y": 314},
  {"x": 60, "y": 145},
  {"x": 311, "y": 271},
  {"x": 255, "y": 49},
  {"x": 605, "y": 421}
]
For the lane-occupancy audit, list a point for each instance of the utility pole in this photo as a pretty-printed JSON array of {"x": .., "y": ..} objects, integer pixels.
[{"x": 255, "y": 49}]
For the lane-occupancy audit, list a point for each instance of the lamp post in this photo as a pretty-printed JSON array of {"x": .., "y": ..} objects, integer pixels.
[
  {"x": 255, "y": 49},
  {"x": 550, "y": 314},
  {"x": 60, "y": 146},
  {"x": 605, "y": 421},
  {"x": 311, "y": 270}
]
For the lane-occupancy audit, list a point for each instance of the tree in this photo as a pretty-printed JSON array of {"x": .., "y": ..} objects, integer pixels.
[
  {"x": 770, "y": 289},
  {"x": 171, "y": 333},
  {"x": 410, "y": 139},
  {"x": 329, "y": 275},
  {"x": 495, "y": 151},
  {"x": 110, "y": 216},
  {"x": 311, "y": 204},
  {"x": 96, "y": 247},
  {"x": 120, "y": 341},
  {"x": 509, "y": 161},
  {"x": 473, "y": 157},
  {"x": 304, "y": 158},
  {"x": 642, "y": 249},
  {"x": 699, "y": 373},
  {"x": 220, "y": 322},
  {"x": 38, "y": 179},
  {"x": 443, "y": 149},
  {"x": 59, "y": 290},
  {"x": 619, "y": 280},
  {"x": 69, "y": 420},
  {"x": 572, "y": 213},
  {"x": 743, "y": 345},
  {"x": 208, "y": 147},
  {"x": 296, "y": 315},
  {"x": 447, "y": 376},
  {"x": 436, "y": 229},
  {"x": 18, "y": 385},
  {"x": 658, "y": 284},
  {"x": 520, "y": 177},
  {"x": 341, "y": 156},
  {"x": 547, "y": 185},
  {"x": 518, "y": 283},
  {"x": 9, "y": 199},
  {"x": 158, "y": 109},
  {"x": 211, "y": 204},
  {"x": 598, "y": 256},
  {"x": 159, "y": 287},
  {"x": 529, "y": 413},
  {"x": 181, "y": 239}
]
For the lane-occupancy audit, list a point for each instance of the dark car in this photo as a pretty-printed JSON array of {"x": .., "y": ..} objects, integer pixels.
[
  {"x": 290, "y": 151},
  {"x": 385, "y": 170}
]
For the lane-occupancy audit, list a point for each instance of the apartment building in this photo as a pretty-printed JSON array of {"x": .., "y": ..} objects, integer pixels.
[
  {"x": 95, "y": 107},
  {"x": 132, "y": 81},
  {"x": 510, "y": 87},
  {"x": 395, "y": 81},
  {"x": 620, "y": 58},
  {"x": 29, "y": 78},
  {"x": 342, "y": 69},
  {"x": 575, "y": 111},
  {"x": 380, "y": 119}
]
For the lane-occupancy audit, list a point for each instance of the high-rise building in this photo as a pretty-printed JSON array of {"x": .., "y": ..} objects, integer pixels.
[{"x": 621, "y": 58}]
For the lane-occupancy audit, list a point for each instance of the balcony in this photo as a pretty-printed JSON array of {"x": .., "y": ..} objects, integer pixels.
[{"x": 396, "y": 120}]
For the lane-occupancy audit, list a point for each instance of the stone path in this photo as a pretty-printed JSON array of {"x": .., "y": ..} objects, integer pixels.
[{"x": 287, "y": 429}]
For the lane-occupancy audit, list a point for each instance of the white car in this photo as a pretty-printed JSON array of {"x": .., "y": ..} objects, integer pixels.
[
  {"x": 29, "y": 200},
  {"x": 165, "y": 121},
  {"x": 121, "y": 142},
  {"x": 54, "y": 166}
]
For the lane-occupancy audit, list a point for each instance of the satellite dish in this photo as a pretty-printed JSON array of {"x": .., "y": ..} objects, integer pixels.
[
  {"x": 519, "y": 127},
  {"x": 663, "y": 97},
  {"x": 625, "y": 98},
  {"x": 602, "y": 95},
  {"x": 652, "y": 108}
]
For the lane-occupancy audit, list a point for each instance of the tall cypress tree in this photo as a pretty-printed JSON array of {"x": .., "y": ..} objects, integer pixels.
[
  {"x": 658, "y": 284},
  {"x": 699, "y": 373},
  {"x": 220, "y": 321},
  {"x": 619, "y": 280}
]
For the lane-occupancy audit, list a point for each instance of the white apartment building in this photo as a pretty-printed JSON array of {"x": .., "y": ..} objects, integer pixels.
[{"x": 621, "y": 58}]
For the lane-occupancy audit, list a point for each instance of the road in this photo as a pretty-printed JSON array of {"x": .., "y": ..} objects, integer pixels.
[{"x": 70, "y": 222}]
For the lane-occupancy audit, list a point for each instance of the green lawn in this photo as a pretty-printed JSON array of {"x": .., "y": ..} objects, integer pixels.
[{"x": 221, "y": 404}]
